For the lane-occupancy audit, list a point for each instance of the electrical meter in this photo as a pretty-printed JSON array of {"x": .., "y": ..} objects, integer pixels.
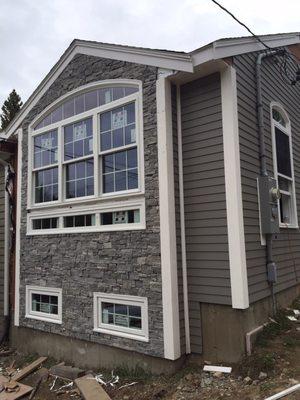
[{"x": 268, "y": 196}]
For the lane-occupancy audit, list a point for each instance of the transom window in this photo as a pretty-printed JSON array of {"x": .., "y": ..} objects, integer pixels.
[
  {"x": 283, "y": 167},
  {"x": 121, "y": 315},
  {"x": 89, "y": 147}
]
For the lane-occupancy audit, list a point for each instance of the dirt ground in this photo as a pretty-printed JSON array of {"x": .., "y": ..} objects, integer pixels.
[{"x": 273, "y": 367}]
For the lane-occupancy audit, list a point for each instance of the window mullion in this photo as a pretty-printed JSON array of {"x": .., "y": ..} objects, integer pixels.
[
  {"x": 95, "y": 153},
  {"x": 60, "y": 166}
]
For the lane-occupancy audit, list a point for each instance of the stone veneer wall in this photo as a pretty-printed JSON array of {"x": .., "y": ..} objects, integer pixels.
[{"x": 115, "y": 262}]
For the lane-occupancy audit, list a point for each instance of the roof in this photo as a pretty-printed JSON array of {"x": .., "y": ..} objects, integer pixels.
[{"x": 165, "y": 59}]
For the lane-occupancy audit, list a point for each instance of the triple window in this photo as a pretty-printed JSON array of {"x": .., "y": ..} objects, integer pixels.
[
  {"x": 89, "y": 151},
  {"x": 283, "y": 167}
]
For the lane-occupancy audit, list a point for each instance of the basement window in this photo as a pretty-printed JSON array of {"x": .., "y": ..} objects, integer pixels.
[
  {"x": 121, "y": 315},
  {"x": 283, "y": 167},
  {"x": 44, "y": 304}
]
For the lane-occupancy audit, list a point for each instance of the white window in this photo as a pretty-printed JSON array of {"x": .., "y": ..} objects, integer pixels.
[
  {"x": 44, "y": 304},
  {"x": 283, "y": 166},
  {"x": 87, "y": 148},
  {"x": 120, "y": 315}
]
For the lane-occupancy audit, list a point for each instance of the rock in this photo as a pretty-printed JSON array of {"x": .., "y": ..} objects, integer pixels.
[
  {"x": 293, "y": 381},
  {"x": 247, "y": 380},
  {"x": 189, "y": 377},
  {"x": 262, "y": 376},
  {"x": 126, "y": 397},
  {"x": 66, "y": 371},
  {"x": 218, "y": 374},
  {"x": 256, "y": 382}
]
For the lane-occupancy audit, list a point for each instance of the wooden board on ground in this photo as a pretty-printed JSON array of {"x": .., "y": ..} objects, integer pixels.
[
  {"x": 23, "y": 390},
  {"x": 90, "y": 389},
  {"x": 28, "y": 369}
]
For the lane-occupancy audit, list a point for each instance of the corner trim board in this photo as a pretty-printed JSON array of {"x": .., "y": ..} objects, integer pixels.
[
  {"x": 171, "y": 328},
  {"x": 18, "y": 227},
  {"x": 233, "y": 188}
]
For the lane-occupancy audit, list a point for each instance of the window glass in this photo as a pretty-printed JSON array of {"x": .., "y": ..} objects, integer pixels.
[
  {"x": 45, "y": 149},
  {"x": 78, "y": 139},
  {"x": 122, "y": 315},
  {"x": 80, "y": 179},
  {"x": 46, "y": 185},
  {"x": 283, "y": 153},
  {"x": 44, "y": 303},
  {"x": 85, "y": 102},
  {"x": 117, "y": 127},
  {"x": 79, "y": 220},
  {"x": 45, "y": 223},
  {"x": 120, "y": 217},
  {"x": 120, "y": 171},
  {"x": 277, "y": 116}
]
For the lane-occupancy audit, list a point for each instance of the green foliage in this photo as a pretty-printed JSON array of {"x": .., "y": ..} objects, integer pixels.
[
  {"x": 10, "y": 108},
  {"x": 281, "y": 324}
]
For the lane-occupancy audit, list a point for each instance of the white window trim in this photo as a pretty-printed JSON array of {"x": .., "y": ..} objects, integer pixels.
[
  {"x": 287, "y": 130},
  {"x": 94, "y": 113},
  {"x": 125, "y": 205},
  {"x": 56, "y": 319},
  {"x": 130, "y": 333}
]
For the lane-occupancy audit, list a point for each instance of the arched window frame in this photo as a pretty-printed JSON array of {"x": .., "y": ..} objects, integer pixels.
[
  {"x": 288, "y": 195},
  {"x": 99, "y": 202}
]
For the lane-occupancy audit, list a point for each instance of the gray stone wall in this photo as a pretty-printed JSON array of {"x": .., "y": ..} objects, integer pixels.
[{"x": 116, "y": 262}]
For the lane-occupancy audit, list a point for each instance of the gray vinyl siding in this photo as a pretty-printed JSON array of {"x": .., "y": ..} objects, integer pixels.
[
  {"x": 178, "y": 224},
  {"x": 2, "y": 216},
  {"x": 287, "y": 243},
  {"x": 204, "y": 199}
]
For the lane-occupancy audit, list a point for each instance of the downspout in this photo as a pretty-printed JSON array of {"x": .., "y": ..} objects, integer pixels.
[
  {"x": 5, "y": 333},
  {"x": 262, "y": 152},
  {"x": 182, "y": 226}
]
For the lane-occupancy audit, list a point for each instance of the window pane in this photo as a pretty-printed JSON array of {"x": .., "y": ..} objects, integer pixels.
[
  {"x": 130, "y": 111},
  {"x": 286, "y": 209},
  {"x": 44, "y": 303},
  {"x": 120, "y": 161},
  {"x": 79, "y": 104},
  {"x": 120, "y": 217},
  {"x": 46, "y": 185},
  {"x": 105, "y": 139},
  {"x": 278, "y": 117},
  {"x": 132, "y": 178},
  {"x": 108, "y": 163},
  {"x": 68, "y": 109},
  {"x": 135, "y": 311},
  {"x": 283, "y": 153},
  {"x": 105, "y": 122},
  {"x": 79, "y": 179},
  {"x": 108, "y": 183},
  {"x": 118, "y": 138},
  {"x": 120, "y": 181},
  {"x": 132, "y": 158},
  {"x": 45, "y": 149},
  {"x": 130, "y": 136},
  {"x": 78, "y": 139},
  {"x": 135, "y": 323},
  {"x": 91, "y": 100},
  {"x": 57, "y": 114}
]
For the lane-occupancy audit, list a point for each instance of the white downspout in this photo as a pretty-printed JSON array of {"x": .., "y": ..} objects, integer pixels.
[{"x": 182, "y": 226}]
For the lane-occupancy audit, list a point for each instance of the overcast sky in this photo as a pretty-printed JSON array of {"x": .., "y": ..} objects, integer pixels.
[{"x": 34, "y": 33}]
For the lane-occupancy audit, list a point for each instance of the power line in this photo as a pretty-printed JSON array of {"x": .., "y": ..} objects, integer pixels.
[{"x": 241, "y": 23}]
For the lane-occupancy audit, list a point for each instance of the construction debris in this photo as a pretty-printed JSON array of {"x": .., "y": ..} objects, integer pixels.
[
  {"x": 285, "y": 392},
  {"x": 66, "y": 372},
  {"x": 42, "y": 376},
  {"x": 214, "y": 368},
  {"x": 12, "y": 390},
  {"x": 90, "y": 388},
  {"x": 28, "y": 369}
]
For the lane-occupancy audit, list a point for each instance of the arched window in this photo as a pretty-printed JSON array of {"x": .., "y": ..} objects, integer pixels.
[
  {"x": 283, "y": 166},
  {"x": 87, "y": 148}
]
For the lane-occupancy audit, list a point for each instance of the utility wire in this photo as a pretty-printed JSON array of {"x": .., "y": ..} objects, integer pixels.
[{"x": 241, "y": 23}]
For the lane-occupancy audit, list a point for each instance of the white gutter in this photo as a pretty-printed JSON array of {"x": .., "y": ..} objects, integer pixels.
[{"x": 182, "y": 226}]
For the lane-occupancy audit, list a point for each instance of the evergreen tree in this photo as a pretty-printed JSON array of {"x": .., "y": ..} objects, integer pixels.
[{"x": 10, "y": 108}]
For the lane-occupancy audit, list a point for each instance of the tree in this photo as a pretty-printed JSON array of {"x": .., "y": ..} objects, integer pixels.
[{"x": 10, "y": 108}]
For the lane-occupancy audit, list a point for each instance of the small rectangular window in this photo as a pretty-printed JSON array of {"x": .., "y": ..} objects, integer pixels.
[
  {"x": 45, "y": 223},
  {"x": 120, "y": 217},
  {"x": 44, "y": 303},
  {"x": 79, "y": 220},
  {"x": 121, "y": 315}
]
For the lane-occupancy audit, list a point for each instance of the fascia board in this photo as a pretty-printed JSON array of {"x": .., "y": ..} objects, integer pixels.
[{"x": 168, "y": 60}]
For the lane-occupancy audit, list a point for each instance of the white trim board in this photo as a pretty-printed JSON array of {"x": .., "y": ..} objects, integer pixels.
[
  {"x": 18, "y": 229},
  {"x": 167, "y": 220},
  {"x": 233, "y": 188}
]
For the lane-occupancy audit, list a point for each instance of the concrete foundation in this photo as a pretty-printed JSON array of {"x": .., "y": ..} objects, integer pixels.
[
  {"x": 224, "y": 328},
  {"x": 87, "y": 355}
]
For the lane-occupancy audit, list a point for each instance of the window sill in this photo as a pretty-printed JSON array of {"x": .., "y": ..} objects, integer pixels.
[
  {"x": 45, "y": 319},
  {"x": 284, "y": 226},
  {"x": 113, "y": 332}
]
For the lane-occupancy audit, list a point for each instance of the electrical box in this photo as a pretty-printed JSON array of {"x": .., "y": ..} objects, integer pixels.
[{"x": 268, "y": 196}]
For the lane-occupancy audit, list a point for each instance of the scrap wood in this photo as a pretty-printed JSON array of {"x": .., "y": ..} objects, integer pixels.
[
  {"x": 6, "y": 352},
  {"x": 90, "y": 388},
  {"x": 214, "y": 368},
  {"x": 285, "y": 392},
  {"x": 28, "y": 369},
  {"x": 66, "y": 372},
  {"x": 16, "y": 394},
  {"x": 291, "y": 318}
]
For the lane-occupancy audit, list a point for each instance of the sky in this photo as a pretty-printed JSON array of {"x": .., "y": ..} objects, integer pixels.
[{"x": 35, "y": 33}]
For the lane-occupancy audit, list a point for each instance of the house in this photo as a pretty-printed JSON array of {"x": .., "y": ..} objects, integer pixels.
[{"x": 157, "y": 201}]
